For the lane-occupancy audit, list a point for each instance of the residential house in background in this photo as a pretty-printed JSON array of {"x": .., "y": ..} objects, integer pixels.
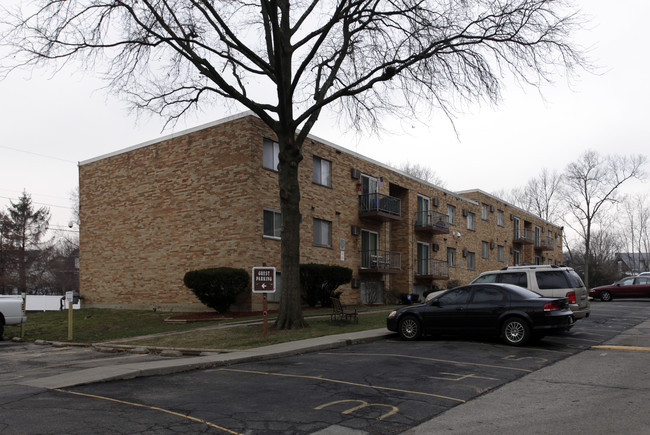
[
  {"x": 208, "y": 197},
  {"x": 630, "y": 263}
]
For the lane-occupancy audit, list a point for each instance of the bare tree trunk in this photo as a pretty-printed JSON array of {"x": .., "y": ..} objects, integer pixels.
[{"x": 290, "y": 312}]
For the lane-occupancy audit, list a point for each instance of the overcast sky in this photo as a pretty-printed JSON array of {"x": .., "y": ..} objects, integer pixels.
[{"x": 48, "y": 125}]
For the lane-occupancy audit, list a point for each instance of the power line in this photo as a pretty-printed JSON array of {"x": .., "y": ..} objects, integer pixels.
[
  {"x": 38, "y": 154},
  {"x": 67, "y": 207}
]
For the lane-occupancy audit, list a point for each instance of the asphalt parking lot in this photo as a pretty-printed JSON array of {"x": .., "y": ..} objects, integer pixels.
[{"x": 384, "y": 387}]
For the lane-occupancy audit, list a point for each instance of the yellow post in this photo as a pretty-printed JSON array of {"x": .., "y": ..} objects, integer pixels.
[{"x": 70, "y": 320}]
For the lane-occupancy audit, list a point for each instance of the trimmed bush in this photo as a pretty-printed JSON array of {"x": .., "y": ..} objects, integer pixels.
[
  {"x": 319, "y": 281},
  {"x": 217, "y": 288}
]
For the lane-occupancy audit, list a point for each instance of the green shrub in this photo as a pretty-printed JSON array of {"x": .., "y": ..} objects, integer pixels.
[
  {"x": 217, "y": 288},
  {"x": 319, "y": 281}
]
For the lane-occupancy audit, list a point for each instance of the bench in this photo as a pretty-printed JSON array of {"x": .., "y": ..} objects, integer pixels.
[{"x": 340, "y": 312}]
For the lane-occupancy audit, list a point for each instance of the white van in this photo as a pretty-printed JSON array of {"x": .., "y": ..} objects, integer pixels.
[{"x": 547, "y": 280}]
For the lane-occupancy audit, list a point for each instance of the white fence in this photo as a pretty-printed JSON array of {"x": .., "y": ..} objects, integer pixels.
[{"x": 47, "y": 303}]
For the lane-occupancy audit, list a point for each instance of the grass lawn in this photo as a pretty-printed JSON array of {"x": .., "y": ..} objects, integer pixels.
[{"x": 92, "y": 325}]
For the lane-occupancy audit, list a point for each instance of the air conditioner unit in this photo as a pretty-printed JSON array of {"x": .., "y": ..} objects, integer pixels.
[
  {"x": 464, "y": 252},
  {"x": 464, "y": 213},
  {"x": 436, "y": 202},
  {"x": 355, "y": 230},
  {"x": 492, "y": 245},
  {"x": 492, "y": 208},
  {"x": 512, "y": 217},
  {"x": 435, "y": 247},
  {"x": 355, "y": 173}
]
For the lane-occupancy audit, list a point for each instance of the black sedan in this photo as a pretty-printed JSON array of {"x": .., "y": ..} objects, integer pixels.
[{"x": 514, "y": 313}]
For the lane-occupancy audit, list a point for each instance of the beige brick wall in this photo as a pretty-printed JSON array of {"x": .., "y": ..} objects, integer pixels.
[{"x": 154, "y": 212}]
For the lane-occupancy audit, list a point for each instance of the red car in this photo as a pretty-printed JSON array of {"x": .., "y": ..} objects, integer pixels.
[{"x": 630, "y": 287}]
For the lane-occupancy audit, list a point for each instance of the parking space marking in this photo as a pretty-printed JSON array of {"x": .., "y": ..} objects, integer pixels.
[
  {"x": 458, "y": 377},
  {"x": 521, "y": 358},
  {"x": 153, "y": 408},
  {"x": 424, "y": 358},
  {"x": 362, "y": 404},
  {"x": 634, "y": 348},
  {"x": 338, "y": 381}
]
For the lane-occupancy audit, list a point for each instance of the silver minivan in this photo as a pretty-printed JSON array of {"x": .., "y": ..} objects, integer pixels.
[{"x": 547, "y": 280}]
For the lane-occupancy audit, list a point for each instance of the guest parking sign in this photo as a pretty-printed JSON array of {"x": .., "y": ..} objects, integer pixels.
[{"x": 264, "y": 280}]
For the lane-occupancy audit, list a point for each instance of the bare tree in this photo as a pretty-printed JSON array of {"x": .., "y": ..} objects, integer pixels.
[
  {"x": 591, "y": 186},
  {"x": 539, "y": 196},
  {"x": 286, "y": 61},
  {"x": 422, "y": 172},
  {"x": 635, "y": 224}
]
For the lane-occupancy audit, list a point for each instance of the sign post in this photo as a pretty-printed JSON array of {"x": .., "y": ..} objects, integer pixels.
[
  {"x": 69, "y": 301},
  {"x": 264, "y": 282}
]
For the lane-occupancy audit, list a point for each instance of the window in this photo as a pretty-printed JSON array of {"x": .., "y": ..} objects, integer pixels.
[
  {"x": 488, "y": 295},
  {"x": 485, "y": 209},
  {"x": 322, "y": 172},
  {"x": 423, "y": 217},
  {"x": 500, "y": 253},
  {"x": 485, "y": 249},
  {"x": 471, "y": 261},
  {"x": 516, "y": 258},
  {"x": 322, "y": 233},
  {"x": 451, "y": 257},
  {"x": 538, "y": 260},
  {"x": 549, "y": 280},
  {"x": 558, "y": 240},
  {"x": 515, "y": 278},
  {"x": 423, "y": 258},
  {"x": 470, "y": 220},
  {"x": 517, "y": 234},
  {"x": 451, "y": 214},
  {"x": 457, "y": 296},
  {"x": 500, "y": 218},
  {"x": 271, "y": 155},
  {"x": 272, "y": 223}
]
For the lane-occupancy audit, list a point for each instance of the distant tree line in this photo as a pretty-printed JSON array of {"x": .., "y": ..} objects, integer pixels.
[
  {"x": 31, "y": 262},
  {"x": 599, "y": 219}
]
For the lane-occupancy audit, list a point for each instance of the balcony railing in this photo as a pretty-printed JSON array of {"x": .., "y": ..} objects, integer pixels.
[
  {"x": 381, "y": 261},
  {"x": 545, "y": 244},
  {"x": 380, "y": 206},
  {"x": 432, "y": 221},
  {"x": 525, "y": 236},
  {"x": 432, "y": 269}
]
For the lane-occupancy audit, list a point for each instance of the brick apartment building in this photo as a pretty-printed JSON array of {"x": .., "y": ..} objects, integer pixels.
[{"x": 208, "y": 197}]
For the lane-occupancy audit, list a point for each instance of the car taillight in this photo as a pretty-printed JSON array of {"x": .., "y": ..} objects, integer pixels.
[
  {"x": 551, "y": 306},
  {"x": 572, "y": 297}
]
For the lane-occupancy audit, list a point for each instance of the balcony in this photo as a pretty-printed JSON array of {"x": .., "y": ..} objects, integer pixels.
[
  {"x": 431, "y": 221},
  {"x": 380, "y": 207},
  {"x": 545, "y": 244},
  {"x": 432, "y": 269},
  {"x": 380, "y": 262},
  {"x": 525, "y": 237}
]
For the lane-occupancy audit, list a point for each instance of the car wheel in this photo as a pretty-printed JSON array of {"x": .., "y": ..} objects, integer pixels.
[
  {"x": 605, "y": 296},
  {"x": 409, "y": 328},
  {"x": 515, "y": 331}
]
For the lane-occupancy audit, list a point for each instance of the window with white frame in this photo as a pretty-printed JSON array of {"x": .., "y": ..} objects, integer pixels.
[
  {"x": 500, "y": 253},
  {"x": 471, "y": 260},
  {"x": 470, "y": 220},
  {"x": 451, "y": 257},
  {"x": 322, "y": 233},
  {"x": 272, "y": 223},
  {"x": 500, "y": 218},
  {"x": 485, "y": 210},
  {"x": 322, "y": 172},
  {"x": 517, "y": 229},
  {"x": 271, "y": 154},
  {"x": 451, "y": 214},
  {"x": 485, "y": 249}
]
